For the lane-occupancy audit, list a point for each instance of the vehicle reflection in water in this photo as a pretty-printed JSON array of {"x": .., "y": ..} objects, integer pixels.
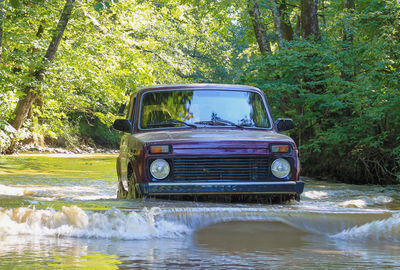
[
  {"x": 61, "y": 212},
  {"x": 251, "y": 237}
]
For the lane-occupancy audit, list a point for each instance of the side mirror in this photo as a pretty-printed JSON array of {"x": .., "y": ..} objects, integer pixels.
[
  {"x": 123, "y": 125},
  {"x": 283, "y": 124}
]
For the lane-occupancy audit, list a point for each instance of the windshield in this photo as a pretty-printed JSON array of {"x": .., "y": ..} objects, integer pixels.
[{"x": 194, "y": 108}]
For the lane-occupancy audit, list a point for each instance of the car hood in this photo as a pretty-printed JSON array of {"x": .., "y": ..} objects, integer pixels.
[{"x": 212, "y": 135}]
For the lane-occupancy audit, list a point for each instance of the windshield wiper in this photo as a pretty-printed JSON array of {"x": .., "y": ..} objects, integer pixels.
[
  {"x": 227, "y": 122},
  {"x": 219, "y": 121},
  {"x": 172, "y": 121}
]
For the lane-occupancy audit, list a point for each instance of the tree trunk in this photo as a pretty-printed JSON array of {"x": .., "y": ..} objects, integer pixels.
[
  {"x": 309, "y": 18},
  {"x": 284, "y": 20},
  {"x": 23, "y": 108},
  {"x": 314, "y": 15},
  {"x": 25, "y": 104},
  {"x": 259, "y": 29},
  {"x": 287, "y": 30},
  {"x": 1, "y": 28},
  {"x": 62, "y": 24},
  {"x": 277, "y": 21}
]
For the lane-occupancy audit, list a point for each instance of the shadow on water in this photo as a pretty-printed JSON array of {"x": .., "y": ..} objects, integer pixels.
[{"x": 254, "y": 236}]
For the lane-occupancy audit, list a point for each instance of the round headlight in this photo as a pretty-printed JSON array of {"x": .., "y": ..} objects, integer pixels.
[
  {"x": 159, "y": 168},
  {"x": 280, "y": 168}
]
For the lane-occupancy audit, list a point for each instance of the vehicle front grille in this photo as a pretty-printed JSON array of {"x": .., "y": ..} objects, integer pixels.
[{"x": 221, "y": 168}]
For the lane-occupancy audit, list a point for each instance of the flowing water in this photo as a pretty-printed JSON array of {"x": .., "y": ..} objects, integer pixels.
[{"x": 61, "y": 211}]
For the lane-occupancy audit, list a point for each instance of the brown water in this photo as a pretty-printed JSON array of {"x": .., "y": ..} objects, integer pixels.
[{"x": 60, "y": 211}]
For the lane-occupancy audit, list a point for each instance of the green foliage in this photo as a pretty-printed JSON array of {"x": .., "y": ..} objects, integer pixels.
[
  {"x": 95, "y": 133},
  {"x": 344, "y": 96},
  {"x": 107, "y": 53},
  {"x": 342, "y": 90}
]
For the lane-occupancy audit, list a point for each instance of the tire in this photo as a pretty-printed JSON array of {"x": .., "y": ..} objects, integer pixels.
[
  {"x": 122, "y": 192},
  {"x": 128, "y": 189},
  {"x": 132, "y": 186}
]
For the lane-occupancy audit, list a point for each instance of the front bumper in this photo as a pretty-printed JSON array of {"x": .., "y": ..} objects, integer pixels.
[{"x": 204, "y": 188}]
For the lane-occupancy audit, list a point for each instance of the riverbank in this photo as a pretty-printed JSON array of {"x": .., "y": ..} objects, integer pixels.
[{"x": 84, "y": 149}]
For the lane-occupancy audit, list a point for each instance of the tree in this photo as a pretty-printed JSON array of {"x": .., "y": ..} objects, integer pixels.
[
  {"x": 341, "y": 87},
  {"x": 258, "y": 25},
  {"x": 342, "y": 91},
  {"x": 309, "y": 18},
  {"x": 287, "y": 30},
  {"x": 277, "y": 21},
  {"x": 25, "y": 104},
  {"x": 1, "y": 28}
]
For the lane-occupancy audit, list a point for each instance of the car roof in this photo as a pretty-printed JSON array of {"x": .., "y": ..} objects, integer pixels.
[{"x": 202, "y": 86}]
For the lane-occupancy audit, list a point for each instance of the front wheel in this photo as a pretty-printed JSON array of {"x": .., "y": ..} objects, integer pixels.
[
  {"x": 133, "y": 188},
  {"x": 122, "y": 192},
  {"x": 129, "y": 189}
]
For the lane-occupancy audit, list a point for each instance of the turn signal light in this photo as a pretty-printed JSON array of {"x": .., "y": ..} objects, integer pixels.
[
  {"x": 280, "y": 148},
  {"x": 159, "y": 149}
]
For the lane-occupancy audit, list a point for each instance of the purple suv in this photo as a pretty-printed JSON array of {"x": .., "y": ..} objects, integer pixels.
[{"x": 206, "y": 139}]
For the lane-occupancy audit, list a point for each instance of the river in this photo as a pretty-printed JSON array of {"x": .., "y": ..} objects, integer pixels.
[{"x": 61, "y": 212}]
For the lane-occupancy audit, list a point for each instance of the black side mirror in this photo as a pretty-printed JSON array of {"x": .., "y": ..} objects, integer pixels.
[
  {"x": 123, "y": 125},
  {"x": 283, "y": 124}
]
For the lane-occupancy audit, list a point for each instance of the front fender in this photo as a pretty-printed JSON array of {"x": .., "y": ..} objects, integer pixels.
[{"x": 122, "y": 161}]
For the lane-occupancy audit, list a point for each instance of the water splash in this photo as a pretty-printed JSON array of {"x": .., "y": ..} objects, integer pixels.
[
  {"x": 197, "y": 218},
  {"x": 155, "y": 222},
  {"x": 315, "y": 194},
  {"x": 354, "y": 204},
  {"x": 380, "y": 230},
  {"x": 74, "y": 222},
  {"x": 14, "y": 191},
  {"x": 365, "y": 201}
]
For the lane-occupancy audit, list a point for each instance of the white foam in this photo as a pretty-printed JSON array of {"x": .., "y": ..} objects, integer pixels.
[
  {"x": 365, "y": 201},
  {"x": 382, "y": 199},
  {"x": 353, "y": 203},
  {"x": 387, "y": 229},
  {"x": 12, "y": 191},
  {"x": 75, "y": 222},
  {"x": 315, "y": 195}
]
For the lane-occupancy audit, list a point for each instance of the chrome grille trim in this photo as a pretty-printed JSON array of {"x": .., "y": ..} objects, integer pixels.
[{"x": 221, "y": 168}]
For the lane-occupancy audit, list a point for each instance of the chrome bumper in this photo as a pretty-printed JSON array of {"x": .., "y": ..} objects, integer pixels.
[{"x": 191, "y": 187}]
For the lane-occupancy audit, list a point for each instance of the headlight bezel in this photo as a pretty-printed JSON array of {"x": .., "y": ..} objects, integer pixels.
[
  {"x": 159, "y": 177},
  {"x": 286, "y": 174}
]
